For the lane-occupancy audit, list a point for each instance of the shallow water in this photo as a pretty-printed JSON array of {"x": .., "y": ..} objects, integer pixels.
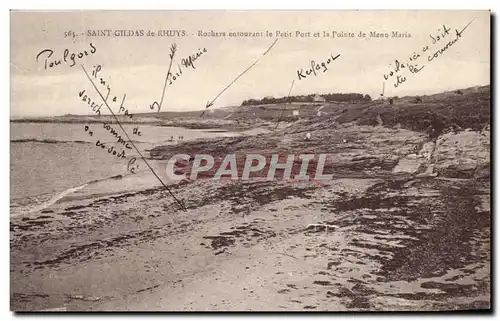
[{"x": 50, "y": 160}]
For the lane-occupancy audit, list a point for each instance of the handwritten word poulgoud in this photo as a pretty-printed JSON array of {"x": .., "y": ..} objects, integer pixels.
[
  {"x": 69, "y": 58},
  {"x": 316, "y": 67}
]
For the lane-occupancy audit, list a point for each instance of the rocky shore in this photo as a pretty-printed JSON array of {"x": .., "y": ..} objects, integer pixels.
[{"x": 405, "y": 224}]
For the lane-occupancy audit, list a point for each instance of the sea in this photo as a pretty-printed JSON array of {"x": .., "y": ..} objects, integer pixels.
[{"x": 57, "y": 162}]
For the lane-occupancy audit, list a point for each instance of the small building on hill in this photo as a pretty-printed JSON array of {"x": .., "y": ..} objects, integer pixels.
[{"x": 319, "y": 99}]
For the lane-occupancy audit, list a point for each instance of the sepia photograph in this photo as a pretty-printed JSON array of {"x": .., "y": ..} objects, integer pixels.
[{"x": 262, "y": 160}]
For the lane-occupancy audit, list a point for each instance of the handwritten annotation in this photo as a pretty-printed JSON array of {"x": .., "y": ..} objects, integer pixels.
[
  {"x": 96, "y": 108},
  {"x": 211, "y": 103},
  {"x": 443, "y": 34},
  {"x": 185, "y": 62},
  {"x": 106, "y": 86},
  {"x": 69, "y": 58},
  {"x": 172, "y": 77},
  {"x": 316, "y": 67},
  {"x": 155, "y": 104},
  {"x": 179, "y": 202}
]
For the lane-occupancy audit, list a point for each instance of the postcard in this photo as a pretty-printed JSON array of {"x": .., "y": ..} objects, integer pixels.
[{"x": 250, "y": 160}]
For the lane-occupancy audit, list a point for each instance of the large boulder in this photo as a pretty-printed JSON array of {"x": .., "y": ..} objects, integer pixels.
[{"x": 463, "y": 155}]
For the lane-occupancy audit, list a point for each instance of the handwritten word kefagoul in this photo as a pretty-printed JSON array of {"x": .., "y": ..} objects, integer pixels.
[
  {"x": 69, "y": 58},
  {"x": 443, "y": 34},
  {"x": 316, "y": 67}
]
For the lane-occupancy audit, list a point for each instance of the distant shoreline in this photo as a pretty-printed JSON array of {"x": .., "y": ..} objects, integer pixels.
[
  {"x": 76, "y": 121},
  {"x": 253, "y": 116},
  {"x": 182, "y": 122}
]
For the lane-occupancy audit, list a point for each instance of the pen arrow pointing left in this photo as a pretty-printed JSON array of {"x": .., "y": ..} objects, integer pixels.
[{"x": 211, "y": 103}]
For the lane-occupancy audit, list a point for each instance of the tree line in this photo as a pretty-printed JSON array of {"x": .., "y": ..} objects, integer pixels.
[{"x": 307, "y": 99}]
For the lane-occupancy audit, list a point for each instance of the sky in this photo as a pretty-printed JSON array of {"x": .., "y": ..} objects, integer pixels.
[{"x": 137, "y": 66}]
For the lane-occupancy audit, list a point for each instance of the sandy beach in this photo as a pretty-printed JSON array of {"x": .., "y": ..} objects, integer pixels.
[{"x": 403, "y": 225}]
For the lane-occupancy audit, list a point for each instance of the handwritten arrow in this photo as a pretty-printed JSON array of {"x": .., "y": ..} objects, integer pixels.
[
  {"x": 286, "y": 102},
  {"x": 181, "y": 203},
  {"x": 210, "y": 103},
  {"x": 173, "y": 49}
]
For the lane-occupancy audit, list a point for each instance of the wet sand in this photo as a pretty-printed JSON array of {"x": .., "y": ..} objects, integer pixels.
[{"x": 373, "y": 238}]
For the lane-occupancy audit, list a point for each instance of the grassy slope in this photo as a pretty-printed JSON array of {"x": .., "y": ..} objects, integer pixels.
[{"x": 469, "y": 110}]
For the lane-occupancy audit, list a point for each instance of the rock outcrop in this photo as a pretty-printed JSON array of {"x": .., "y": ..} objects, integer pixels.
[{"x": 463, "y": 155}]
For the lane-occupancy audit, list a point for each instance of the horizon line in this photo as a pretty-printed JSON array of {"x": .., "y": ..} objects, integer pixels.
[{"x": 147, "y": 114}]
